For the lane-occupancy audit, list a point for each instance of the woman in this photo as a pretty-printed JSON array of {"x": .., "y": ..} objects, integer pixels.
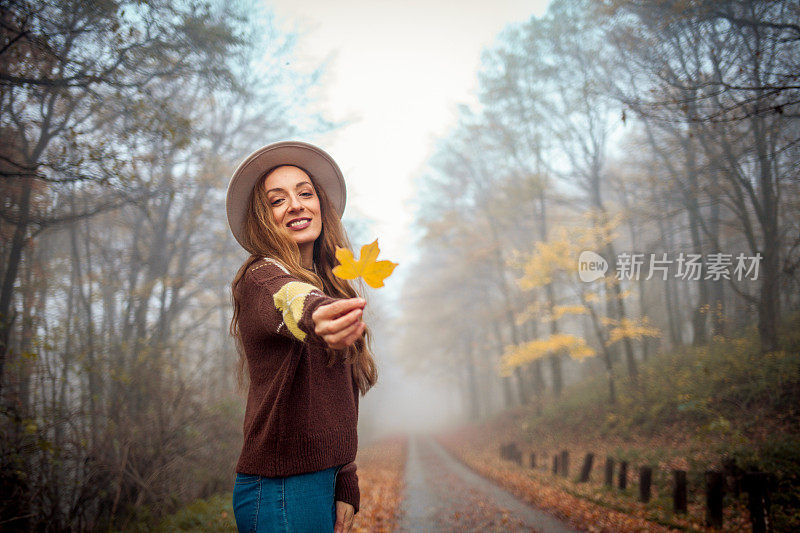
[{"x": 301, "y": 343}]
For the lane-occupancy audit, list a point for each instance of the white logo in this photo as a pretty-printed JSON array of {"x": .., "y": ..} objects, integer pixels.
[{"x": 591, "y": 266}]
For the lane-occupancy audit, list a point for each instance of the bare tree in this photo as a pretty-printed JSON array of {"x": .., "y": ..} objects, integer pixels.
[
  {"x": 69, "y": 68},
  {"x": 140, "y": 111},
  {"x": 725, "y": 69}
]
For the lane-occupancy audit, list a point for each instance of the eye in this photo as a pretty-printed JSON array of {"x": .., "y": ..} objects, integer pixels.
[
  {"x": 276, "y": 201},
  {"x": 307, "y": 194}
]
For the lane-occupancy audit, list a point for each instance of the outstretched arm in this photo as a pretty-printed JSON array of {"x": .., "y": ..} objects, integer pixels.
[{"x": 299, "y": 310}]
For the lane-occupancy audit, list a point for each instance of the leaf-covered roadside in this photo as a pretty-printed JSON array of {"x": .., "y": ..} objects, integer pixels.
[
  {"x": 539, "y": 491},
  {"x": 380, "y": 480}
]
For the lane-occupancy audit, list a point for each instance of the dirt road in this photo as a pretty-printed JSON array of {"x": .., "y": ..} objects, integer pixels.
[{"x": 442, "y": 494}]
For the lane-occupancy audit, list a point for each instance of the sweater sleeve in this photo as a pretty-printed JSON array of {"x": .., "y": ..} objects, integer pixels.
[
  {"x": 286, "y": 303},
  {"x": 347, "y": 486}
]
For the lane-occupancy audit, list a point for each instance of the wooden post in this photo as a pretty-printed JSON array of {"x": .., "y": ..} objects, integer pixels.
[
  {"x": 514, "y": 454},
  {"x": 645, "y": 480},
  {"x": 555, "y": 464},
  {"x": 714, "y": 486},
  {"x": 758, "y": 501},
  {"x": 609, "y": 480},
  {"x": 679, "y": 491},
  {"x": 623, "y": 475},
  {"x": 586, "y": 469},
  {"x": 511, "y": 452},
  {"x": 533, "y": 459},
  {"x": 733, "y": 476},
  {"x": 564, "y": 463}
]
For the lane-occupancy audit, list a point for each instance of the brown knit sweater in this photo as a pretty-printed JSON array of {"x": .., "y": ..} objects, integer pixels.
[{"x": 301, "y": 415}]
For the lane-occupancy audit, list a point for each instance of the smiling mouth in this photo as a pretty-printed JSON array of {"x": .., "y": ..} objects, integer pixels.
[{"x": 299, "y": 224}]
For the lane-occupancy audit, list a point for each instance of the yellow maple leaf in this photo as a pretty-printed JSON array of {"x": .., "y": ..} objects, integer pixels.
[{"x": 373, "y": 272}]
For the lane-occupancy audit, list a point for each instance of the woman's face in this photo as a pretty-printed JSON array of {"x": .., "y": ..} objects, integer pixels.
[{"x": 295, "y": 204}]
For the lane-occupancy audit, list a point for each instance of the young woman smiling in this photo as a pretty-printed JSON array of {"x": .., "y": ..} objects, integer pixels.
[{"x": 302, "y": 344}]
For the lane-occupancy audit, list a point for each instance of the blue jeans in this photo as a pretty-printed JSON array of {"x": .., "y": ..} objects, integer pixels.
[{"x": 293, "y": 504}]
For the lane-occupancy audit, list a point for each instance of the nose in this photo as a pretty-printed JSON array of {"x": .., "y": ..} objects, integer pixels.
[{"x": 294, "y": 203}]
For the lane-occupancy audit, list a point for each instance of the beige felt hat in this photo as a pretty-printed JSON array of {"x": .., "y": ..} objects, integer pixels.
[{"x": 315, "y": 161}]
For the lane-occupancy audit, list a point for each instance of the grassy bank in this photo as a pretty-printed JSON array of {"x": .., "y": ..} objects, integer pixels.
[{"x": 380, "y": 472}]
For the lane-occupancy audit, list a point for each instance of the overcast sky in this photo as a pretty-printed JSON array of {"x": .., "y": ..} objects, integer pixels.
[{"x": 399, "y": 68}]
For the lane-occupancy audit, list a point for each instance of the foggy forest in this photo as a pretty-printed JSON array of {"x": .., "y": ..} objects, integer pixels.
[{"x": 601, "y": 301}]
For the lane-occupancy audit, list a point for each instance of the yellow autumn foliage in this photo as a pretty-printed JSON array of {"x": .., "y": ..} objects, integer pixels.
[
  {"x": 599, "y": 229},
  {"x": 539, "y": 311},
  {"x": 629, "y": 329},
  {"x": 559, "y": 254},
  {"x": 591, "y": 297},
  {"x": 561, "y": 310},
  {"x": 515, "y": 356},
  {"x": 547, "y": 259},
  {"x": 532, "y": 311}
]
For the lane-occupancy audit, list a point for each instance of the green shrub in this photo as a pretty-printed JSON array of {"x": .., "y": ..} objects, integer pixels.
[{"x": 213, "y": 515}]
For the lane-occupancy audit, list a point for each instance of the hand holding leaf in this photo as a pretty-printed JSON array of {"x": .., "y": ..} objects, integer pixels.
[{"x": 373, "y": 272}]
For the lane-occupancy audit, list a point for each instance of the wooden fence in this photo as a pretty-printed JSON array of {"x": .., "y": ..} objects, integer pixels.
[{"x": 731, "y": 479}]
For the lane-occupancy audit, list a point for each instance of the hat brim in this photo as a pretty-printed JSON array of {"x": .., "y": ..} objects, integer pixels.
[{"x": 313, "y": 160}]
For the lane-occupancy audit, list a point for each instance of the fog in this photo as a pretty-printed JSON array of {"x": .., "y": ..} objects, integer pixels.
[{"x": 594, "y": 208}]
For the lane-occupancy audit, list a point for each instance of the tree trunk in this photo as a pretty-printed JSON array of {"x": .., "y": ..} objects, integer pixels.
[
  {"x": 555, "y": 359},
  {"x": 768, "y": 308},
  {"x": 472, "y": 384},
  {"x": 92, "y": 392},
  {"x": 601, "y": 340},
  {"x": 7, "y": 314},
  {"x": 717, "y": 286},
  {"x": 522, "y": 389},
  {"x": 670, "y": 294},
  {"x": 692, "y": 189},
  {"x": 618, "y": 312},
  {"x": 508, "y": 396}
]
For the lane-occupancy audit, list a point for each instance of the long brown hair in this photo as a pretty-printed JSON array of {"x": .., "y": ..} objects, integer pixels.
[{"x": 263, "y": 237}]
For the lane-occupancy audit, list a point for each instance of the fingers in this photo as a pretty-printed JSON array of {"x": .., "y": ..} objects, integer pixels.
[
  {"x": 327, "y": 326},
  {"x": 343, "y": 322},
  {"x": 339, "y": 527},
  {"x": 344, "y": 517},
  {"x": 350, "y": 336},
  {"x": 339, "y": 308},
  {"x": 339, "y": 323},
  {"x": 345, "y": 337}
]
